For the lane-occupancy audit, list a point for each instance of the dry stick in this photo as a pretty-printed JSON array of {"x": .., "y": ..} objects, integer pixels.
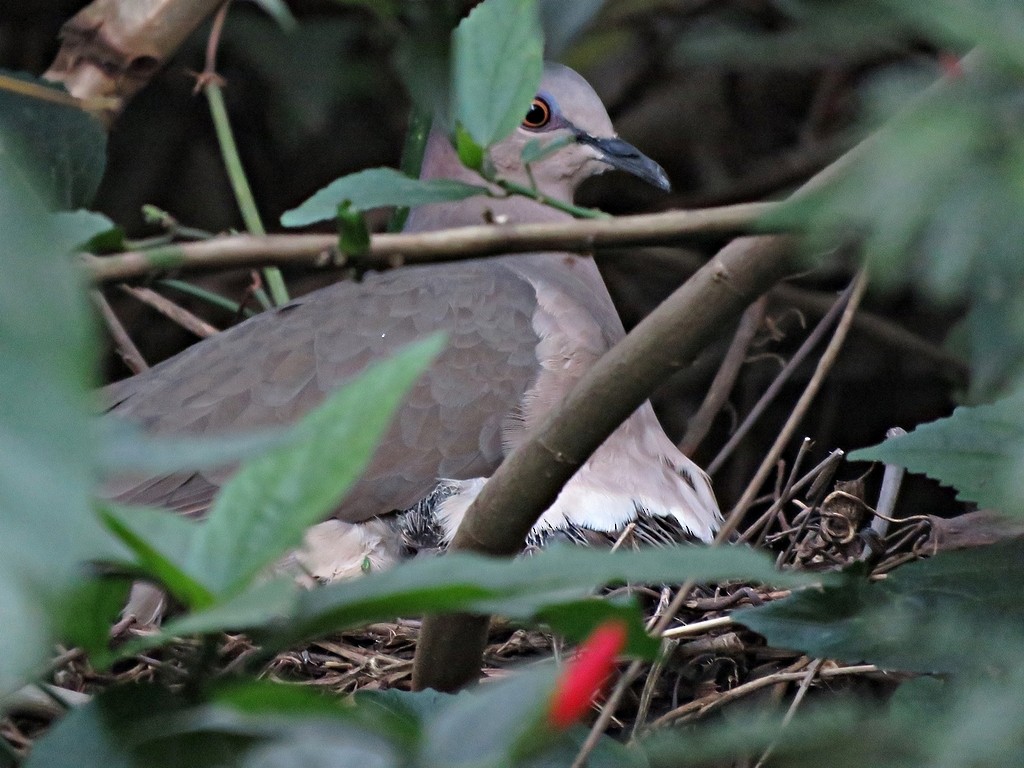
[
  {"x": 126, "y": 348},
  {"x": 394, "y": 249},
  {"x": 172, "y": 311},
  {"x": 787, "y": 493},
  {"x": 732, "y": 521},
  {"x": 805, "y": 684},
  {"x": 776, "y": 386},
  {"x": 718, "y": 701},
  {"x": 880, "y": 330},
  {"x": 721, "y": 386},
  {"x": 833, "y": 458},
  {"x": 825, "y": 364}
]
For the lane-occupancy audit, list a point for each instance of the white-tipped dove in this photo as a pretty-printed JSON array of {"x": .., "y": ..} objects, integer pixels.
[{"x": 522, "y": 330}]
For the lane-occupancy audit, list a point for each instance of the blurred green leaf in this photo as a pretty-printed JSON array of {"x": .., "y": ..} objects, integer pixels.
[
  {"x": 492, "y": 725},
  {"x": 124, "y": 447},
  {"x": 535, "y": 149},
  {"x": 921, "y": 617},
  {"x": 934, "y": 198},
  {"x": 518, "y": 588},
  {"x": 563, "y": 22},
  {"x": 161, "y": 541},
  {"x": 278, "y": 11},
  {"x": 997, "y": 26},
  {"x": 267, "y": 505},
  {"x": 798, "y": 33},
  {"x": 498, "y": 61},
  {"x": 63, "y": 145},
  {"x": 47, "y": 345},
  {"x": 91, "y": 609},
  {"x": 375, "y": 188},
  {"x": 262, "y": 605},
  {"x": 258, "y": 725}
]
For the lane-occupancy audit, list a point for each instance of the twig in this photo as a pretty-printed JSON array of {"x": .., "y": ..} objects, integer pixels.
[
  {"x": 825, "y": 364},
  {"x": 805, "y": 684},
  {"x": 172, "y": 311},
  {"x": 211, "y": 84},
  {"x": 123, "y": 343},
  {"x": 717, "y": 701},
  {"x": 775, "y": 387},
  {"x": 725, "y": 379},
  {"x": 881, "y": 330},
  {"x": 697, "y": 627},
  {"x": 390, "y": 250}
]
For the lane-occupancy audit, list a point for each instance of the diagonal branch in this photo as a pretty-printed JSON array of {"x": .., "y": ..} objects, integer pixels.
[{"x": 530, "y": 478}]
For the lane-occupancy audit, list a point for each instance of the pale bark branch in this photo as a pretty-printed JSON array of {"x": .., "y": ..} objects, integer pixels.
[{"x": 391, "y": 250}]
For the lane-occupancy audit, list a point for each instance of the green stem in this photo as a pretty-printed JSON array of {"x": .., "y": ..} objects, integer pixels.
[
  {"x": 412, "y": 158},
  {"x": 208, "y": 296},
  {"x": 240, "y": 184},
  {"x": 574, "y": 210}
]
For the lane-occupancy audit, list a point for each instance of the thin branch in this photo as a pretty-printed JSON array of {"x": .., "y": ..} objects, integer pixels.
[
  {"x": 390, "y": 250},
  {"x": 211, "y": 85},
  {"x": 123, "y": 343},
  {"x": 171, "y": 311},
  {"x": 725, "y": 379},
  {"x": 775, "y": 387},
  {"x": 825, "y": 364}
]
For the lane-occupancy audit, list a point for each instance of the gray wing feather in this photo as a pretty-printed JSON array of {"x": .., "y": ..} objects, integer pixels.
[{"x": 275, "y": 367}]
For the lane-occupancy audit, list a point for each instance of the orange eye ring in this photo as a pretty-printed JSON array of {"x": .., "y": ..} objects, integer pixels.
[{"x": 538, "y": 115}]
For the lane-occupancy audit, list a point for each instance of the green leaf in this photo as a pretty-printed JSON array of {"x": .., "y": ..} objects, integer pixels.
[
  {"x": 535, "y": 149},
  {"x": 266, "y": 506},
  {"x": 161, "y": 541},
  {"x": 977, "y": 450},
  {"x": 278, "y": 11},
  {"x": 497, "y": 66},
  {"x": 563, "y": 22},
  {"x": 255, "y": 724},
  {"x": 934, "y": 198},
  {"x": 521, "y": 588},
  {"x": 262, "y": 605},
  {"x": 375, "y": 188},
  {"x": 997, "y": 26},
  {"x": 124, "y": 447},
  {"x": 491, "y": 725},
  {"x": 64, "y": 145},
  {"x": 47, "y": 345},
  {"x": 576, "y": 620},
  {"x": 922, "y": 617},
  {"x": 470, "y": 153},
  {"x": 90, "y": 612}
]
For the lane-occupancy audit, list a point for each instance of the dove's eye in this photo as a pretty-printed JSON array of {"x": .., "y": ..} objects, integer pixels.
[{"x": 538, "y": 115}]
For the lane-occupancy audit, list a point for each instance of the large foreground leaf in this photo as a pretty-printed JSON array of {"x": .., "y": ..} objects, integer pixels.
[
  {"x": 264, "y": 509},
  {"x": 47, "y": 528},
  {"x": 955, "y": 611},
  {"x": 977, "y": 450},
  {"x": 498, "y": 61}
]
